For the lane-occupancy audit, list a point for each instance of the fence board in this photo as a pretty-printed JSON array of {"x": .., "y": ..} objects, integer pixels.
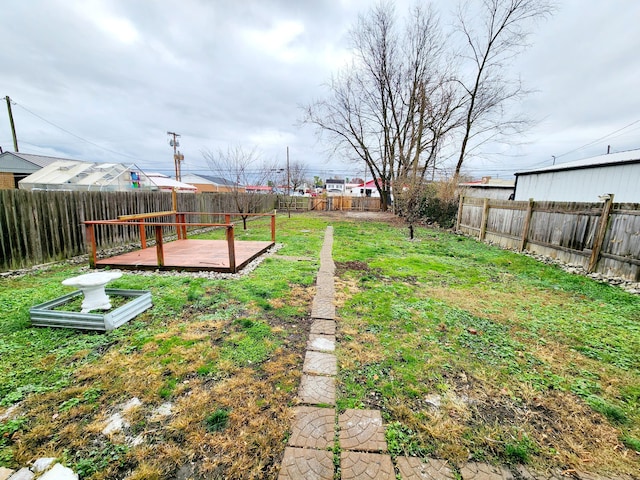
[{"x": 562, "y": 230}]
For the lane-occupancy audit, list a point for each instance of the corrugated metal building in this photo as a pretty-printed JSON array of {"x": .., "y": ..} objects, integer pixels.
[
  {"x": 15, "y": 166},
  {"x": 584, "y": 180}
]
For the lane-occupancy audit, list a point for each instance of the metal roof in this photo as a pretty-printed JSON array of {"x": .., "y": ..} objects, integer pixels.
[
  {"x": 39, "y": 160},
  {"x": 610, "y": 159},
  {"x": 193, "y": 178}
]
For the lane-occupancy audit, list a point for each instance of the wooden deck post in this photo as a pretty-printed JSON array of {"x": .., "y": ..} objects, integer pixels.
[
  {"x": 176, "y": 219},
  {"x": 143, "y": 234},
  {"x": 232, "y": 249},
  {"x": 227, "y": 219},
  {"x": 485, "y": 217},
  {"x": 184, "y": 227},
  {"x": 91, "y": 240},
  {"x": 459, "y": 219},
  {"x": 600, "y": 234},
  {"x": 273, "y": 226},
  {"x": 159, "y": 249},
  {"x": 525, "y": 227}
]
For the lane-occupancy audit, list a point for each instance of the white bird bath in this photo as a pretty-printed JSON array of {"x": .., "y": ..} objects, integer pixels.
[{"x": 92, "y": 286}]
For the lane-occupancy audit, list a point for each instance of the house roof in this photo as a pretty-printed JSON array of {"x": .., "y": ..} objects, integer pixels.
[
  {"x": 610, "y": 159},
  {"x": 23, "y": 163},
  {"x": 207, "y": 179},
  {"x": 39, "y": 160},
  {"x": 335, "y": 181},
  {"x": 489, "y": 183}
]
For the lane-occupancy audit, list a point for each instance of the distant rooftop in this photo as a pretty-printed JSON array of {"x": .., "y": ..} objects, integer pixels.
[
  {"x": 629, "y": 156},
  {"x": 39, "y": 160}
]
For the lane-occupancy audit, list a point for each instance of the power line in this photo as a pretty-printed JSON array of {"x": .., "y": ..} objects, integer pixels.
[
  {"x": 598, "y": 140},
  {"x": 73, "y": 134}
]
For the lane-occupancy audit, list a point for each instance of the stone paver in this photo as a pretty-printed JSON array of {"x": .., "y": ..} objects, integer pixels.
[
  {"x": 319, "y": 363},
  {"x": 413, "y": 468},
  {"x": 5, "y": 473},
  {"x": 315, "y": 390},
  {"x": 306, "y": 464},
  {"x": 366, "y": 466},
  {"x": 484, "y": 471},
  {"x": 59, "y": 472},
  {"x": 321, "y": 343},
  {"x": 323, "y": 309},
  {"x": 528, "y": 474},
  {"x": 42, "y": 464},
  {"x": 323, "y": 327},
  {"x": 362, "y": 430},
  {"x": 314, "y": 427},
  {"x": 23, "y": 474}
]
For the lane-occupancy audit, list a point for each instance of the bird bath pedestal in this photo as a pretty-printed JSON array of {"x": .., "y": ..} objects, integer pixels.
[{"x": 92, "y": 286}]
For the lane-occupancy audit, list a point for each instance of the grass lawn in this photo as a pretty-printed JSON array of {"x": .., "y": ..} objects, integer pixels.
[
  {"x": 470, "y": 352},
  {"x": 475, "y": 353},
  {"x": 225, "y": 354}
]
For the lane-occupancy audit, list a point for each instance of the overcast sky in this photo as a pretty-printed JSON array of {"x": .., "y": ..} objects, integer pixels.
[{"x": 105, "y": 80}]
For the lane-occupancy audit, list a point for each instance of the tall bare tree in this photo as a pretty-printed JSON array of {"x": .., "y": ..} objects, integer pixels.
[
  {"x": 243, "y": 167},
  {"x": 493, "y": 34},
  {"x": 392, "y": 107}
]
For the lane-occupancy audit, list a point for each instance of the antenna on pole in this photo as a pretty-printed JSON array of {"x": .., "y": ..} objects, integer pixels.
[{"x": 177, "y": 156}]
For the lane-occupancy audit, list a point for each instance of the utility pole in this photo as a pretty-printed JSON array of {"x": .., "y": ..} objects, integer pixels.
[
  {"x": 13, "y": 127},
  {"x": 177, "y": 156}
]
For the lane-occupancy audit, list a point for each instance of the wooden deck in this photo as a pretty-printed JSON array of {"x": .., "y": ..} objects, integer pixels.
[{"x": 191, "y": 255}]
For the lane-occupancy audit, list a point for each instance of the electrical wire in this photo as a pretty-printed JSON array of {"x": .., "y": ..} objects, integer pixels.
[{"x": 73, "y": 134}]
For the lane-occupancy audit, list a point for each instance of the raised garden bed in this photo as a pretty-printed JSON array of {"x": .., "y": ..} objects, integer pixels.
[{"x": 46, "y": 315}]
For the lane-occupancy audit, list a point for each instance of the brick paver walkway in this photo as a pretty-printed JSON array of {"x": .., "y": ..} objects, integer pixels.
[{"x": 359, "y": 435}]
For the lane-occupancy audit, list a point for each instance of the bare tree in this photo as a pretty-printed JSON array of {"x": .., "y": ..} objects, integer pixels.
[
  {"x": 243, "y": 168},
  {"x": 490, "y": 43},
  {"x": 297, "y": 174},
  {"x": 394, "y": 105}
]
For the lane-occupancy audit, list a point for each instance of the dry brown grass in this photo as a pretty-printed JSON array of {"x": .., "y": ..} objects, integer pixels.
[{"x": 257, "y": 397}]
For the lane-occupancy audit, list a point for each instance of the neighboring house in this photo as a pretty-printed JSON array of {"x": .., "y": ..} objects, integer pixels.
[
  {"x": 584, "y": 180},
  {"x": 365, "y": 189},
  {"x": 15, "y": 166},
  {"x": 206, "y": 183},
  {"x": 493, "y": 188},
  {"x": 334, "y": 186},
  {"x": 74, "y": 175}
]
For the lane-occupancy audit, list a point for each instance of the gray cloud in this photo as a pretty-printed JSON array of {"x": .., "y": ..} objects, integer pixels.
[{"x": 121, "y": 73}]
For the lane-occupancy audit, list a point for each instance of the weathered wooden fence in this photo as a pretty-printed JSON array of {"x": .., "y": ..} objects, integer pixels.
[
  {"x": 358, "y": 204},
  {"x": 602, "y": 237},
  {"x": 39, "y": 227}
]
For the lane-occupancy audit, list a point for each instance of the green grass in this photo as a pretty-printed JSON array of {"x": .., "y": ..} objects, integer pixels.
[
  {"x": 495, "y": 335},
  {"x": 199, "y": 335},
  {"x": 469, "y": 351}
]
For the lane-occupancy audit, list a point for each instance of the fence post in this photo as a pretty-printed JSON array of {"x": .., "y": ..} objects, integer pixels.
[
  {"x": 525, "y": 228},
  {"x": 600, "y": 234},
  {"x": 232, "y": 249},
  {"x": 273, "y": 226},
  {"x": 485, "y": 217},
  {"x": 460, "y": 206},
  {"x": 159, "y": 249}
]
